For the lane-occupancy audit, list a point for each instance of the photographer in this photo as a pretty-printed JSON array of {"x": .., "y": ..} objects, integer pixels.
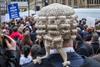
[{"x": 8, "y": 53}]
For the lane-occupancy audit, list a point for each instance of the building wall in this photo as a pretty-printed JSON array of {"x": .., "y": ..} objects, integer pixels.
[
  {"x": 3, "y": 7},
  {"x": 35, "y": 3},
  {"x": 23, "y": 4},
  {"x": 77, "y": 3},
  {"x": 32, "y": 4}
]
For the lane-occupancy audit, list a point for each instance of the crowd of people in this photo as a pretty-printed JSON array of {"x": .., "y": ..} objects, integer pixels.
[
  {"x": 23, "y": 33},
  {"x": 19, "y": 45}
]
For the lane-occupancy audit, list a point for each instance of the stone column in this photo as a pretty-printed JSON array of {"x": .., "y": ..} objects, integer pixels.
[
  {"x": 65, "y": 2},
  {"x": 54, "y": 1},
  {"x": 49, "y": 1},
  {"x": 90, "y": 1},
  {"x": 61, "y": 1},
  {"x": 72, "y": 3},
  {"x": 86, "y": 5},
  {"x": 78, "y": 3},
  {"x": 58, "y": 1}
]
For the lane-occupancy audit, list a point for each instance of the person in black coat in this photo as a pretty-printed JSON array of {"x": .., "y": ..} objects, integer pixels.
[
  {"x": 95, "y": 43},
  {"x": 85, "y": 48},
  {"x": 8, "y": 53}
]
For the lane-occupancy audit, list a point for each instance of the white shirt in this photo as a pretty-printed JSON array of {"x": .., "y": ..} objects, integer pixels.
[
  {"x": 68, "y": 49},
  {"x": 24, "y": 60}
]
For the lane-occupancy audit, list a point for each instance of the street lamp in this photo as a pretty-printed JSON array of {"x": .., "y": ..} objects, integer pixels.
[
  {"x": 35, "y": 6},
  {"x": 7, "y": 3},
  {"x": 28, "y": 7},
  {"x": 6, "y": 6}
]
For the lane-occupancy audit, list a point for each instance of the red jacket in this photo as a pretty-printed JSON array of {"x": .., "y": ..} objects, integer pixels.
[{"x": 16, "y": 34}]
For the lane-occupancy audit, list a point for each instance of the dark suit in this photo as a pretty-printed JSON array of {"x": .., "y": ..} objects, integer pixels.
[
  {"x": 95, "y": 46},
  {"x": 85, "y": 50},
  {"x": 89, "y": 62},
  {"x": 73, "y": 57},
  {"x": 55, "y": 60},
  {"x": 43, "y": 64}
]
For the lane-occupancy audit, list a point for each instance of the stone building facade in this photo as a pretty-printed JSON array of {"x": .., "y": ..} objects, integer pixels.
[
  {"x": 72, "y": 3},
  {"x": 78, "y": 3}
]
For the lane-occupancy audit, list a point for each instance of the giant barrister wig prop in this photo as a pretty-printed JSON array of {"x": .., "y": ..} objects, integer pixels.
[{"x": 55, "y": 23}]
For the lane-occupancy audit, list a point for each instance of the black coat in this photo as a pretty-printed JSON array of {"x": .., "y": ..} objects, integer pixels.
[
  {"x": 2, "y": 62},
  {"x": 8, "y": 58}
]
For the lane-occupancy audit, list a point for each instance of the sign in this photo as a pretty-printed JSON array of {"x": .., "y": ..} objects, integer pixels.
[{"x": 13, "y": 11}]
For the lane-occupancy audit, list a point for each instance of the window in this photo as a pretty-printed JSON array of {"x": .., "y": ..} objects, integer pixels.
[
  {"x": 52, "y": 1},
  {"x": 63, "y": 2},
  {"x": 69, "y": 2},
  {"x": 75, "y": 2},
  {"x": 93, "y": 1},
  {"x": 19, "y": 0},
  {"x": 97, "y": 1},
  {"x": 88, "y": 1}
]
